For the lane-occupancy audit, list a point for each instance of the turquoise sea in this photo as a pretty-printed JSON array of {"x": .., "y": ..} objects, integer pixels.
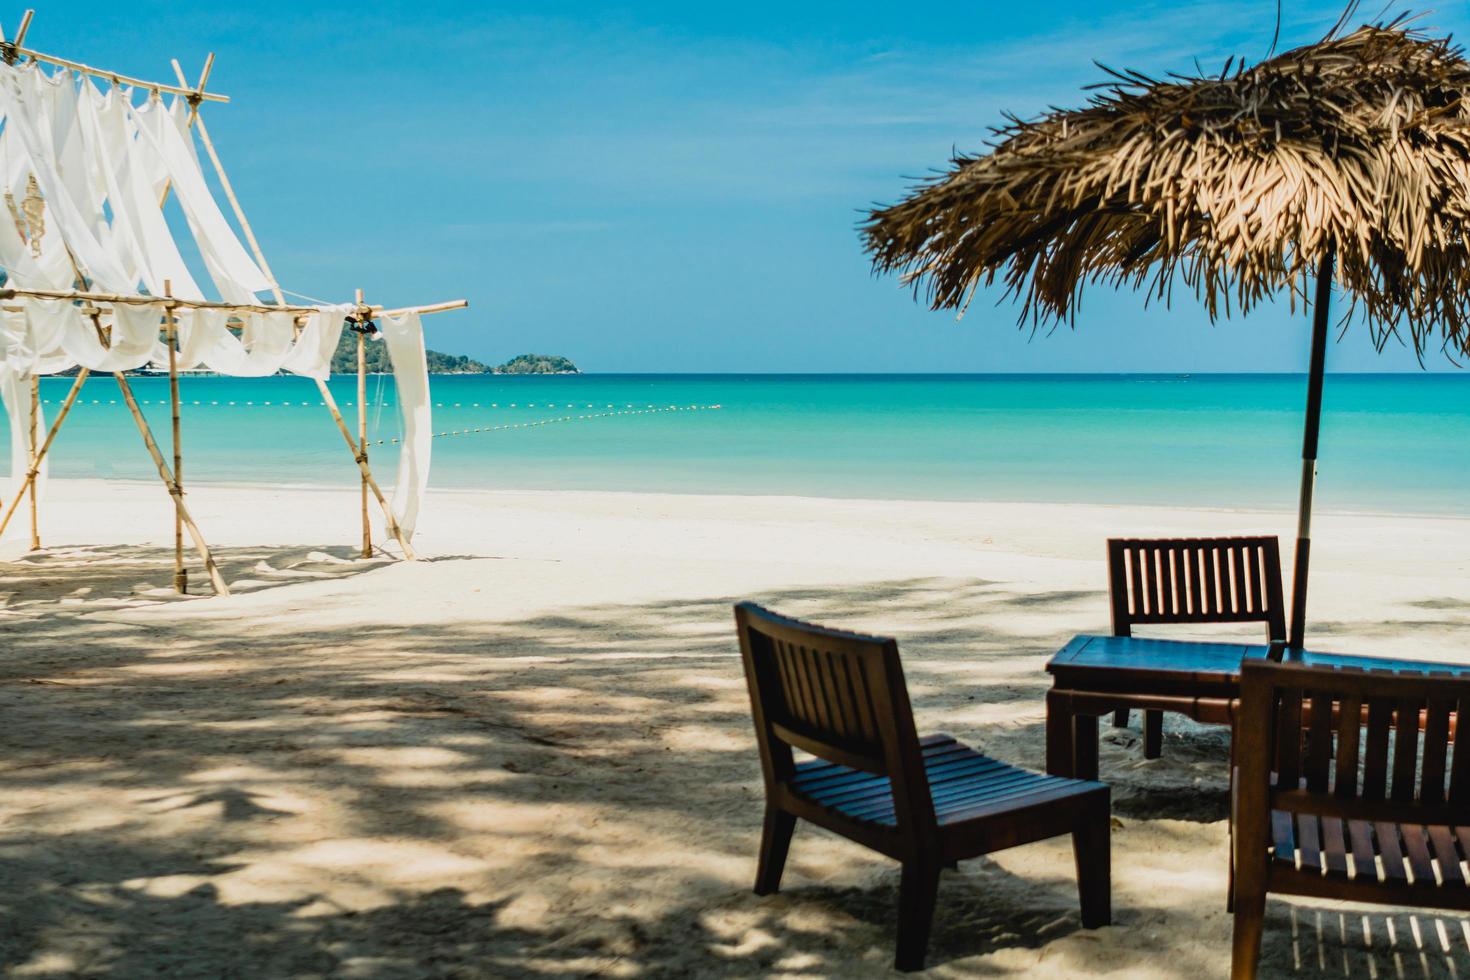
[{"x": 1390, "y": 442}]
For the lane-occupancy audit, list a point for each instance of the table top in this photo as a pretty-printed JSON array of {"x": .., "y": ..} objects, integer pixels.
[{"x": 1213, "y": 661}]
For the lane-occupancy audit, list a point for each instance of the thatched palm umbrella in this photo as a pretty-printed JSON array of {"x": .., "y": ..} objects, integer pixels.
[{"x": 1351, "y": 153}]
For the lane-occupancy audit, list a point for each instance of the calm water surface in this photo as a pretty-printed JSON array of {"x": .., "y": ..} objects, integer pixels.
[{"x": 1395, "y": 443}]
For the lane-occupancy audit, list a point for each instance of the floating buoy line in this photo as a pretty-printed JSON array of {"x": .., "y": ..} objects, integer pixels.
[{"x": 627, "y": 409}]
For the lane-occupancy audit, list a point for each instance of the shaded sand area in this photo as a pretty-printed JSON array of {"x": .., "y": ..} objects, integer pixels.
[{"x": 531, "y": 755}]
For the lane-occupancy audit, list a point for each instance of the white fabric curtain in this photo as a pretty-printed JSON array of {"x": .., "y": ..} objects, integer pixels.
[
  {"x": 135, "y": 330},
  {"x": 15, "y": 391},
  {"x": 266, "y": 344},
  {"x": 165, "y": 132},
  {"x": 404, "y": 336}
]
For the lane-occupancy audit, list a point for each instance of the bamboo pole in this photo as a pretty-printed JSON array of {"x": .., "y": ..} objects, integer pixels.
[
  {"x": 172, "y": 303},
  {"x": 40, "y": 455},
  {"x": 31, "y": 484},
  {"x": 321, "y": 386},
  {"x": 171, "y": 328},
  {"x": 453, "y": 304},
  {"x": 174, "y": 489},
  {"x": 367, "y": 526}
]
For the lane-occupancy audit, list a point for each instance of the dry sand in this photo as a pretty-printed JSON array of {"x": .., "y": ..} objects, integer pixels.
[{"x": 531, "y": 755}]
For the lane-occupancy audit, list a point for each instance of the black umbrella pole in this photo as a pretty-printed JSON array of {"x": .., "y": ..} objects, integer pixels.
[{"x": 1320, "y": 313}]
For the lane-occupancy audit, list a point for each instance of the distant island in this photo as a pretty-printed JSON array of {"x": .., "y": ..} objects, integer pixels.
[{"x": 344, "y": 361}]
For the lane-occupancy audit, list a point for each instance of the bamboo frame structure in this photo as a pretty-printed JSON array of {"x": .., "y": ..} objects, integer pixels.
[{"x": 92, "y": 303}]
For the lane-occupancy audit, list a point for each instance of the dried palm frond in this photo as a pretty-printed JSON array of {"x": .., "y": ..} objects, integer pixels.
[{"x": 1238, "y": 183}]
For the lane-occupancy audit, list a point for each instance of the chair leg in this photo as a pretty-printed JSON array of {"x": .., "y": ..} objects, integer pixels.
[
  {"x": 1250, "y": 919},
  {"x": 917, "y": 893},
  {"x": 775, "y": 842},
  {"x": 1153, "y": 734},
  {"x": 1092, "y": 847},
  {"x": 1120, "y": 718}
]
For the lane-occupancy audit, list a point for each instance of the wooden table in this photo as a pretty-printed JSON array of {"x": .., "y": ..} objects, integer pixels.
[{"x": 1097, "y": 675}]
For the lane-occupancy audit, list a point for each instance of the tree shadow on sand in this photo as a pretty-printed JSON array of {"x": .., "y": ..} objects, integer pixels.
[
  {"x": 567, "y": 794},
  {"x": 87, "y": 578}
]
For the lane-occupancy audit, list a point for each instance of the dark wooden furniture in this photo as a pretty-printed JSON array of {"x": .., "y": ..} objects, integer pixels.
[
  {"x": 1095, "y": 675},
  {"x": 926, "y": 802},
  {"x": 1167, "y": 581},
  {"x": 1353, "y": 785}
]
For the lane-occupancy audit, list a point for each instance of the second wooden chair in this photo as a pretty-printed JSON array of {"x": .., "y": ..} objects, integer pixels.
[{"x": 1167, "y": 581}]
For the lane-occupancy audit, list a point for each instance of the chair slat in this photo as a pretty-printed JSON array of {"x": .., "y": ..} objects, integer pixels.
[
  {"x": 1210, "y": 560},
  {"x": 1319, "y": 743},
  {"x": 1390, "y": 851},
  {"x": 1192, "y": 560},
  {"x": 1446, "y": 856},
  {"x": 1460, "y": 770},
  {"x": 1349, "y": 731},
  {"x": 1178, "y": 599},
  {"x": 1436, "y": 750},
  {"x": 1283, "y": 832},
  {"x": 1334, "y": 847},
  {"x": 1158, "y": 567},
  {"x": 1417, "y": 850},
  {"x": 1237, "y": 570},
  {"x": 1365, "y": 859},
  {"x": 1139, "y": 593},
  {"x": 1258, "y": 577},
  {"x": 1375, "y": 756},
  {"x": 1308, "y": 844},
  {"x": 1289, "y": 740},
  {"x": 1406, "y": 749}
]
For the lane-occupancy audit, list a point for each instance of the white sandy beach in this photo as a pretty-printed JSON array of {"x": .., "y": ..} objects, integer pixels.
[{"x": 532, "y": 755}]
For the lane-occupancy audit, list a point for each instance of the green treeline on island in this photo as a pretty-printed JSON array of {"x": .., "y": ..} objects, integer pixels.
[{"x": 345, "y": 361}]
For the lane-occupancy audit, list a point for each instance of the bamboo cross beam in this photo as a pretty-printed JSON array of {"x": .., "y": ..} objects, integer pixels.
[
  {"x": 453, "y": 304},
  {"x": 35, "y": 463},
  {"x": 168, "y": 302},
  {"x": 12, "y": 51}
]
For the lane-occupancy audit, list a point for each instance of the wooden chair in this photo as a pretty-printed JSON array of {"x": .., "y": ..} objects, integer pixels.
[
  {"x": 1192, "y": 580},
  {"x": 1352, "y": 785},
  {"x": 926, "y": 802}
]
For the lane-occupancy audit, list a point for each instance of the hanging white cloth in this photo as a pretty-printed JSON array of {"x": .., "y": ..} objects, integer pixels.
[
  {"x": 139, "y": 229},
  {"x": 312, "y": 356},
  {"x": 15, "y": 391},
  {"x": 134, "y": 339},
  {"x": 22, "y": 100},
  {"x": 404, "y": 336},
  {"x": 165, "y": 132},
  {"x": 261, "y": 350}
]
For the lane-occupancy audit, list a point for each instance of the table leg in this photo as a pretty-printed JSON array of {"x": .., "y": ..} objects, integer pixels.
[
  {"x": 1058, "y": 734},
  {"x": 1153, "y": 734},
  {"x": 1084, "y": 746}
]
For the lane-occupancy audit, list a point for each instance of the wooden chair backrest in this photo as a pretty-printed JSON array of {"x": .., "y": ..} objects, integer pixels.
[
  {"x": 1196, "y": 580},
  {"x": 1356, "y": 744},
  {"x": 836, "y": 695}
]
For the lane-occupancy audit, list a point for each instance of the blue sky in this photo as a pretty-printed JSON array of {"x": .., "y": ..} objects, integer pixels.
[{"x": 674, "y": 186}]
